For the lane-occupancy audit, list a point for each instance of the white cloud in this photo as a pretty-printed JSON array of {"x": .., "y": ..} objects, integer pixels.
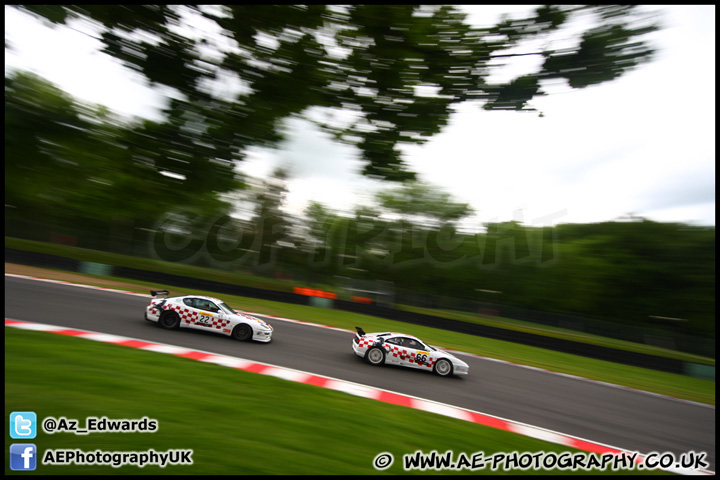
[{"x": 70, "y": 58}]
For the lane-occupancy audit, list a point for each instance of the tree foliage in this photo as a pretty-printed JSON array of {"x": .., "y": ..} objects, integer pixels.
[
  {"x": 377, "y": 61},
  {"x": 424, "y": 203},
  {"x": 628, "y": 273},
  {"x": 77, "y": 166}
]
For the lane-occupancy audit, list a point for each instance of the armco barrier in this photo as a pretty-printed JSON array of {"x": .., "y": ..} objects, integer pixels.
[
  {"x": 41, "y": 260},
  {"x": 163, "y": 279},
  {"x": 540, "y": 341}
]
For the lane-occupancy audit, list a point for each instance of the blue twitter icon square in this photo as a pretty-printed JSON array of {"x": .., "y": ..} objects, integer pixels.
[{"x": 23, "y": 425}]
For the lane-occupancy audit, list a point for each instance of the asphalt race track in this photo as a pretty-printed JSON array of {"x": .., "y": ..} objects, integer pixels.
[{"x": 617, "y": 417}]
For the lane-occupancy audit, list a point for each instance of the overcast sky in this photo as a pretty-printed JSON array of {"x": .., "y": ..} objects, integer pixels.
[{"x": 643, "y": 144}]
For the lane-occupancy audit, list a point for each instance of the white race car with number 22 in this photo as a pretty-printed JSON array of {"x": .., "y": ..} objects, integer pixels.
[{"x": 205, "y": 313}]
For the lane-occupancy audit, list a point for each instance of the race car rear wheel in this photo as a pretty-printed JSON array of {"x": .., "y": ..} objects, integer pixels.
[
  {"x": 443, "y": 368},
  {"x": 242, "y": 332},
  {"x": 375, "y": 356},
  {"x": 169, "y": 320}
]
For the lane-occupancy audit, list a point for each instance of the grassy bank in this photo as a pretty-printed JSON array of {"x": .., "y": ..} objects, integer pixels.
[{"x": 234, "y": 422}]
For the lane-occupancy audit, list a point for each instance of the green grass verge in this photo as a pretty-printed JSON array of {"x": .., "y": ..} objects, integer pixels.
[
  {"x": 235, "y": 422},
  {"x": 679, "y": 386}
]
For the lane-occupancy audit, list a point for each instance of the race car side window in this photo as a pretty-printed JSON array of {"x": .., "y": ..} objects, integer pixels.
[
  {"x": 412, "y": 343},
  {"x": 189, "y": 302},
  {"x": 394, "y": 341},
  {"x": 203, "y": 304}
]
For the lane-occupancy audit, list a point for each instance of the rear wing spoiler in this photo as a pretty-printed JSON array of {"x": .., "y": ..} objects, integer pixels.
[
  {"x": 361, "y": 333},
  {"x": 155, "y": 293}
]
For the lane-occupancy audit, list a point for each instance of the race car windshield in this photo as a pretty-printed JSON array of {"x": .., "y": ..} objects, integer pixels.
[{"x": 224, "y": 307}]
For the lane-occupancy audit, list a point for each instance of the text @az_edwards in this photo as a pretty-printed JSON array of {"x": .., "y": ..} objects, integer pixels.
[{"x": 52, "y": 425}]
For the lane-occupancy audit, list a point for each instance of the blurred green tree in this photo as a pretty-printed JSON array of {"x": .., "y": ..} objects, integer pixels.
[
  {"x": 423, "y": 204},
  {"x": 40, "y": 120},
  {"x": 398, "y": 68},
  {"x": 272, "y": 226},
  {"x": 78, "y": 170}
]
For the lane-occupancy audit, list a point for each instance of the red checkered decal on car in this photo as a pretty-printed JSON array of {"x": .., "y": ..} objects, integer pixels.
[
  {"x": 403, "y": 354},
  {"x": 188, "y": 315},
  {"x": 365, "y": 342},
  {"x": 212, "y": 322}
]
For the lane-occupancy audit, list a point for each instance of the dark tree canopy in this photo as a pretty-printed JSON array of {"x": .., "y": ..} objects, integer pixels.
[{"x": 372, "y": 60}]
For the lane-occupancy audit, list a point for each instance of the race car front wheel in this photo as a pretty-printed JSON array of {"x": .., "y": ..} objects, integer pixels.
[
  {"x": 375, "y": 356},
  {"x": 169, "y": 320},
  {"x": 443, "y": 368},
  {"x": 242, "y": 332}
]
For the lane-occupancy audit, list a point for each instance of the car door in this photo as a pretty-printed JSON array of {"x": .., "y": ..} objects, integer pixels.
[
  {"x": 202, "y": 315},
  {"x": 416, "y": 354}
]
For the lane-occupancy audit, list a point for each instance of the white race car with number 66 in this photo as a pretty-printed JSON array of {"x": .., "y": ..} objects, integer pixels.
[
  {"x": 205, "y": 313},
  {"x": 406, "y": 350}
]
